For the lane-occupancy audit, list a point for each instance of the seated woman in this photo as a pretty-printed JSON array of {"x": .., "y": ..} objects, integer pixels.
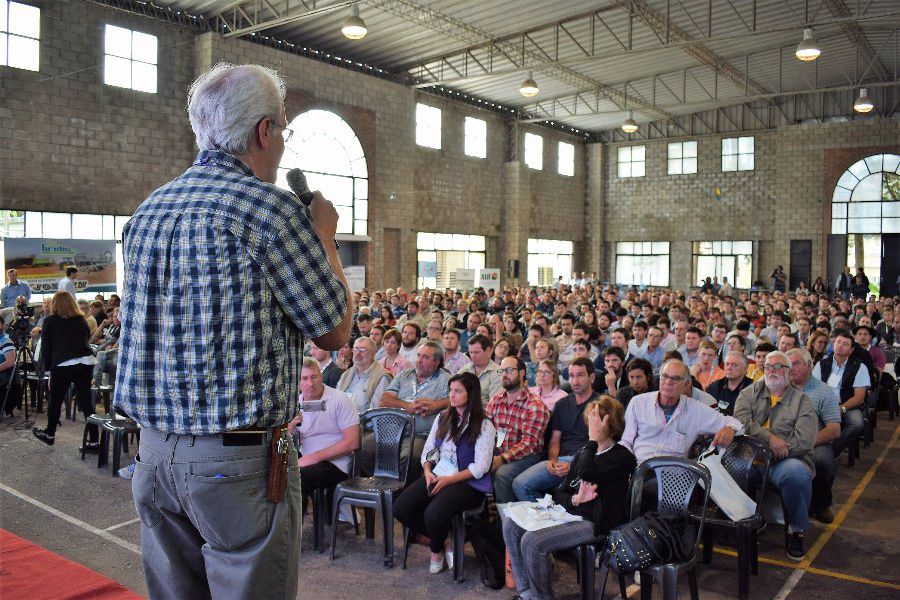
[
  {"x": 598, "y": 492},
  {"x": 547, "y": 388},
  {"x": 457, "y": 461},
  {"x": 392, "y": 362}
]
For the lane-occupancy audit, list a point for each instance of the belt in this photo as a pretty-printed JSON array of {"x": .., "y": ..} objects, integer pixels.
[{"x": 247, "y": 436}]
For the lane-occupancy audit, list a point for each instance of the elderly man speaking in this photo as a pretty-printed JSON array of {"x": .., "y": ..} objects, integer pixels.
[{"x": 225, "y": 274}]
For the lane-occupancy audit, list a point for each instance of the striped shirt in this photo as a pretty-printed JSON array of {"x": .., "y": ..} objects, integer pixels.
[
  {"x": 648, "y": 433},
  {"x": 224, "y": 276}
]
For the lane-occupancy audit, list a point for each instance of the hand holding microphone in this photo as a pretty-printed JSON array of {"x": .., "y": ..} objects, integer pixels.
[{"x": 322, "y": 212}]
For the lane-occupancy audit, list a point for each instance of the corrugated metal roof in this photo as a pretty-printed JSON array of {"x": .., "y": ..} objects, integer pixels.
[{"x": 609, "y": 49}]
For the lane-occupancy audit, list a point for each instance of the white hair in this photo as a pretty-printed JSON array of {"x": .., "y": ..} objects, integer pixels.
[{"x": 227, "y": 102}]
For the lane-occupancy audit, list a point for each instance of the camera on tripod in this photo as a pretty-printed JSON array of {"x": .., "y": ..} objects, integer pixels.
[{"x": 20, "y": 329}]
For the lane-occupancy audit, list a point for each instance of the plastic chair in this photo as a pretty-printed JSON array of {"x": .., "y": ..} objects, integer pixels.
[
  {"x": 322, "y": 499},
  {"x": 457, "y": 534},
  {"x": 391, "y": 427},
  {"x": 738, "y": 459},
  {"x": 676, "y": 479}
]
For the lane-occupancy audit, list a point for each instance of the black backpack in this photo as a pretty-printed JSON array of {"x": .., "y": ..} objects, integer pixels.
[
  {"x": 486, "y": 536},
  {"x": 652, "y": 538}
]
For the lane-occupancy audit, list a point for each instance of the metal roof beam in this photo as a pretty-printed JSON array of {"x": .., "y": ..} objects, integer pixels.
[
  {"x": 248, "y": 17},
  {"x": 855, "y": 34}
]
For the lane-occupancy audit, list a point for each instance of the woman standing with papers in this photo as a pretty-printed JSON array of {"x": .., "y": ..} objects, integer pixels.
[{"x": 598, "y": 492}]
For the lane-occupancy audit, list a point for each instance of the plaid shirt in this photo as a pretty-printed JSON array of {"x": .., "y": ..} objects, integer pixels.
[
  {"x": 223, "y": 278},
  {"x": 524, "y": 423}
]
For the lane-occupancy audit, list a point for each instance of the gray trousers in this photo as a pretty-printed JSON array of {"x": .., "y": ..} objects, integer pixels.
[
  {"x": 529, "y": 554},
  {"x": 207, "y": 528}
]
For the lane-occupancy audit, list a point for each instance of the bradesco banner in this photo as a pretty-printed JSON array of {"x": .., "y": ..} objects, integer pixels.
[{"x": 42, "y": 263}]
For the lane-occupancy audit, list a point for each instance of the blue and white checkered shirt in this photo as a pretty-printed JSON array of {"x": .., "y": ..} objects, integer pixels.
[{"x": 224, "y": 275}]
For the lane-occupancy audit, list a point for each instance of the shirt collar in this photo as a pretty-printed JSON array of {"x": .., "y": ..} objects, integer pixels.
[{"x": 222, "y": 159}]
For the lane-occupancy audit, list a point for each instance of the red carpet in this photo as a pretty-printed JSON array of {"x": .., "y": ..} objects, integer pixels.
[{"x": 30, "y": 572}]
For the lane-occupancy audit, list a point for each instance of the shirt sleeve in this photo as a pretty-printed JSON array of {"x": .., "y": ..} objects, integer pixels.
[
  {"x": 298, "y": 272},
  {"x": 862, "y": 378},
  {"x": 394, "y": 385},
  {"x": 429, "y": 442},
  {"x": 345, "y": 412},
  {"x": 484, "y": 450},
  {"x": 380, "y": 389},
  {"x": 630, "y": 427},
  {"x": 831, "y": 412}
]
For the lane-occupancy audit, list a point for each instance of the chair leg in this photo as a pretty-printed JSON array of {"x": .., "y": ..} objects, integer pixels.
[
  {"x": 103, "y": 451},
  {"x": 587, "y": 556},
  {"x": 707, "y": 545},
  {"x": 692, "y": 582},
  {"x": 318, "y": 520},
  {"x": 405, "y": 547},
  {"x": 850, "y": 455},
  {"x": 744, "y": 552},
  {"x": 84, "y": 438},
  {"x": 117, "y": 451},
  {"x": 669, "y": 585},
  {"x": 458, "y": 533},
  {"x": 335, "y": 510},
  {"x": 754, "y": 552},
  {"x": 604, "y": 575},
  {"x": 370, "y": 523},
  {"x": 646, "y": 587},
  {"x": 623, "y": 587},
  {"x": 387, "y": 522}
]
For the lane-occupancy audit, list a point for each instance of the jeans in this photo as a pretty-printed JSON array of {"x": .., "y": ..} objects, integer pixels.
[
  {"x": 207, "y": 527},
  {"x": 534, "y": 481},
  {"x": 826, "y": 465},
  {"x": 851, "y": 427},
  {"x": 793, "y": 479},
  {"x": 504, "y": 476}
]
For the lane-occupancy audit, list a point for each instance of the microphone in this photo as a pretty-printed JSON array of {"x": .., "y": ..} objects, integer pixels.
[{"x": 296, "y": 180}]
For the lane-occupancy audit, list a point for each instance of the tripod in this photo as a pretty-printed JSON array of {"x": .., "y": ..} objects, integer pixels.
[{"x": 24, "y": 358}]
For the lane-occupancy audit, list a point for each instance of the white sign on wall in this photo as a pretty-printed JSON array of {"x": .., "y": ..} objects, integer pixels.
[
  {"x": 487, "y": 278},
  {"x": 356, "y": 277},
  {"x": 465, "y": 278}
]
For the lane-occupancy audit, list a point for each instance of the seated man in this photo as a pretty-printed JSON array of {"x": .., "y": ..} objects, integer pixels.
[
  {"x": 366, "y": 380},
  {"x": 454, "y": 359},
  {"x": 773, "y": 411},
  {"x": 755, "y": 371},
  {"x": 667, "y": 422},
  {"x": 613, "y": 376},
  {"x": 845, "y": 373},
  {"x": 569, "y": 433},
  {"x": 107, "y": 336},
  {"x": 825, "y": 401},
  {"x": 726, "y": 390},
  {"x": 640, "y": 380},
  {"x": 422, "y": 391},
  {"x": 521, "y": 421},
  {"x": 331, "y": 372},
  {"x": 328, "y": 427},
  {"x": 707, "y": 369},
  {"x": 483, "y": 367}
]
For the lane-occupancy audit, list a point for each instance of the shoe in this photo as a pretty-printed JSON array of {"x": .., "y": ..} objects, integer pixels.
[
  {"x": 794, "y": 546},
  {"x": 92, "y": 447},
  {"x": 449, "y": 556},
  {"x": 825, "y": 516},
  {"x": 127, "y": 472},
  {"x": 41, "y": 434},
  {"x": 436, "y": 566}
]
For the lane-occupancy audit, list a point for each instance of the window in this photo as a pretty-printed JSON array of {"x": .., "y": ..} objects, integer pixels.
[
  {"x": 441, "y": 254},
  {"x": 642, "y": 263},
  {"x": 476, "y": 137},
  {"x": 733, "y": 260},
  {"x": 329, "y": 153},
  {"x": 566, "y": 164},
  {"x": 632, "y": 161},
  {"x": 737, "y": 154},
  {"x": 682, "y": 158},
  {"x": 130, "y": 60},
  {"x": 547, "y": 260},
  {"x": 866, "y": 204},
  {"x": 20, "y": 34},
  {"x": 428, "y": 126},
  {"x": 534, "y": 151},
  {"x": 36, "y": 224}
]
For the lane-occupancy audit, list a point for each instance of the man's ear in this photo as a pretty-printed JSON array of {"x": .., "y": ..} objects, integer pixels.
[{"x": 261, "y": 133}]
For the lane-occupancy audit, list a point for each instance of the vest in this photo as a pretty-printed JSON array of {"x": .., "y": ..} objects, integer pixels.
[
  {"x": 374, "y": 377},
  {"x": 465, "y": 455},
  {"x": 850, "y": 371}
]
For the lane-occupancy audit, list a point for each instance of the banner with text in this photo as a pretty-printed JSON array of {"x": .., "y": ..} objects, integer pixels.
[{"x": 42, "y": 263}]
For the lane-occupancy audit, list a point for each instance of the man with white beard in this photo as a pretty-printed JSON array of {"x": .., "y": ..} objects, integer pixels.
[{"x": 773, "y": 411}]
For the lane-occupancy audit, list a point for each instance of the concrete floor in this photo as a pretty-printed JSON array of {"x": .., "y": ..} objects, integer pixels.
[{"x": 51, "y": 497}]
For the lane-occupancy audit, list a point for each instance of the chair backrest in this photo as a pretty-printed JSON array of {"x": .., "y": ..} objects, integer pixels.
[
  {"x": 391, "y": 428},
  {"x": 676, "y": 480},
  {"x": 740, "y": 457}
]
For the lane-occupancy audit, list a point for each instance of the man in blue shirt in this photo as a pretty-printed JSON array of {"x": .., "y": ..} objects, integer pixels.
[
  {"x": 13, "y": 289},
  {"x": 225, "y": 275}
]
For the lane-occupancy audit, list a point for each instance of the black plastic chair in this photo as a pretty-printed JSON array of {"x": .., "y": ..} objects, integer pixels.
[
  {"x": 870, "y": 416},
  {"x": 119, "y": 427},
  {"x": 677, "y": 480},
  {"x": 738, "y": 459},
  {"x": 457, "y": 534},
  {"x": 322, "y": 499},
  {"x": 391, "y": 427}
]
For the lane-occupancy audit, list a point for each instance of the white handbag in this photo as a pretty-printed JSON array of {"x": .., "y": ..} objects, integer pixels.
[{"x": 725, "y": 492}]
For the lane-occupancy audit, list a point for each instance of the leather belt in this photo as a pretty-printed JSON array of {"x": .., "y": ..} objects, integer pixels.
[{"x": 248, "y": 436}]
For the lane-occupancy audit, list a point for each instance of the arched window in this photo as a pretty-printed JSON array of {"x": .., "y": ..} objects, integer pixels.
[
  {"x": 865, "y": 206},
  {"x": 328, "y": 151}
]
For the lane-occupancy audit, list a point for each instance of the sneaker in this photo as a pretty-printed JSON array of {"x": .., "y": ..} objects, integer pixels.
[
  {"x": 41, "y": 434},
  {"x": 824, "y": 515},
  {"x": 127, "y": 472},
  {"x": 794, "y": 546},
  {"x": 449, "y": 556},
  {"x": 92, "y": 446},
  {"x": 436, "y": 566}
]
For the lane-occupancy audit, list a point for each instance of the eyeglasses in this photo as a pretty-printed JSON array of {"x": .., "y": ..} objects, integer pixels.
[
  {"x": 508, "y": 370},
  {"x": 671, "y": 378},
  {"x": 286, "y": 133},
  {"x": 544, "y": 372},
  {"x": 777, "y": 367}
]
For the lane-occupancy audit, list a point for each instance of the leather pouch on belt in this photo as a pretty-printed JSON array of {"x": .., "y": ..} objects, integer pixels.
[{"x": 278, "y": 466}]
